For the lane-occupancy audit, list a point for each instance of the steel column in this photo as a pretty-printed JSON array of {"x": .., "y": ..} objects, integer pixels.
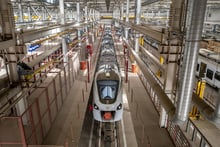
[
  {"x": 137, "y": 12},
  {"x": 187, "y": 75},
  {"x": 93, "y": 15},
  {"x": 137, "y": 21},
  {"x": 86, "y": 27},
  {"x": 62, "y": 16},
  {"x": 20, "y": 12},
  {"x": 7, "y": 20},
  {"x": 127, "y": 18},
  {"x": 64, "y": 49},
  {"x": 78, "y": 20},
  {"x": 78, "y": 11},
  {"x": 127, "y": 11},
  {"x": 122, "y": 10},
  {"x": 29, "y": 13},
  {"x": 13, "y": 65}
]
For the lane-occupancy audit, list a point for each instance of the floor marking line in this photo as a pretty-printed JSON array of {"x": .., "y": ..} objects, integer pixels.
[
  {"x": 91, "y": 134},
  {"x": 123, "y": 132}
]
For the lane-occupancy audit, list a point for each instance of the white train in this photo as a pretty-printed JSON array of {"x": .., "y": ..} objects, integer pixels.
[
  {"x": 107, "y": 85},
  {"x": 208, "y": 67}
]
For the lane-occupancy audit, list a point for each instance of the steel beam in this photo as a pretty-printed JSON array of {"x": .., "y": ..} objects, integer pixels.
[{"x": 149, "y": 31}]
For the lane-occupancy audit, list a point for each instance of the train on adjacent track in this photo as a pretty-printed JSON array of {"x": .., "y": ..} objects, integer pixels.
[
  {"x": 208, "y": 67},
  {"x": 107, "y": 84}
]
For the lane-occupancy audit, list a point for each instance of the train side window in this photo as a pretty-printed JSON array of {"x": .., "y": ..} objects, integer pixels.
[
  {"x": 197, "y": 68},
  {"x": 217, "y": 75},
  {"x": 209, "y": 74}
]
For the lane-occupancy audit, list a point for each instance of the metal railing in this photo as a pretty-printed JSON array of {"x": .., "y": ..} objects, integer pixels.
[
  {"x": 195, "y": 135},
  {"x": 179, "y": 139}
]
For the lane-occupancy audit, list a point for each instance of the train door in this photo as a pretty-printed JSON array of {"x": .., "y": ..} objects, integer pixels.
[
  {"x": 202, "y": 70},
  {"x": 217, "y": 79}
]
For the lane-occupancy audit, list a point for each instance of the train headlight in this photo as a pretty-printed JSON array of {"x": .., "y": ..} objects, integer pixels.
[
  {"x": 119, "y": 107},
  {"x": 96, "y": 107}
]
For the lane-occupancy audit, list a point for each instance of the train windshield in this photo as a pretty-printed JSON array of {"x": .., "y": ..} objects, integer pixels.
[{"x": 107, "y": 89}]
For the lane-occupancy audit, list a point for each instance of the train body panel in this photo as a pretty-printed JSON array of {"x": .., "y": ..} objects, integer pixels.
[
  {"x": 107, "y": 85},
  {"x": 208, "y": 67}
]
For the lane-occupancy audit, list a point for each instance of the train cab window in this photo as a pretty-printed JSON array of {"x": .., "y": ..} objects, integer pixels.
[
  {"x": 209, "y": 74},
  {"x": 197, "y": 68},
  {"x": 217, "y": 75},
  {"x": 107, "y": 89}
]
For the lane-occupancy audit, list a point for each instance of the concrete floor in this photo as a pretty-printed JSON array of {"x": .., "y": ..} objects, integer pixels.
[{"x": 140, "y": 119}]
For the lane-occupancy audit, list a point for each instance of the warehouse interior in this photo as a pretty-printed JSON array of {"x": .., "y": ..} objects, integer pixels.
[{"x": 48, "y": 54}]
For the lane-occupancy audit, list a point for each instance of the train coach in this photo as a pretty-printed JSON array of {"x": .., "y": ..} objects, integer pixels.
[
  {"x": 208, "y": 67},
  {"x": 107, "y": 85}
]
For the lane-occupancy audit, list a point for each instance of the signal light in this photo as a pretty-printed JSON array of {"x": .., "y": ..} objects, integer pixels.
[{"x": 119, "y": 107}]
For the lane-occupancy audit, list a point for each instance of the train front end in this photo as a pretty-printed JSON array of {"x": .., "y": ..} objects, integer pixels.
[{"x": 107, "y": 94}]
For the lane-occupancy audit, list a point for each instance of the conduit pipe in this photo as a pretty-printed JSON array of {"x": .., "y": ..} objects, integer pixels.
[
  {"x": 193, "y": 37},
  {"x": 164, "y": 99}
]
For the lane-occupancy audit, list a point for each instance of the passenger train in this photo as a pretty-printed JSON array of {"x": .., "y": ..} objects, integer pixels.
[
  {"x": 107, "y": 84},
  {"x": 208, "y": 67}
]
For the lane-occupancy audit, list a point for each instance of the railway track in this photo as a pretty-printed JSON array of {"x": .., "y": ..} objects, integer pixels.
[{"x": 108, "y": 134}]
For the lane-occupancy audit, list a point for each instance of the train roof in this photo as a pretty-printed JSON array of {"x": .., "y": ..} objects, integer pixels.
[
  {"x": 106, "y": 67},
  {"x": 210, "y": 54}
]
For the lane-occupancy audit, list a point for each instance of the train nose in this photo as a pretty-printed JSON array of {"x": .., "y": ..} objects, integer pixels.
[{"x": 107, "y": 116}]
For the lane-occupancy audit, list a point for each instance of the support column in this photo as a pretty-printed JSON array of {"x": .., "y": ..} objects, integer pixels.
[
  {"x": 122, "y": 10},
  {"x": 86, "y": 12},
  {"x": 7, "y": 24},
  {"x": 93, "y": 26},
  {"x": 61, "y": 6},
  {"x": 90, "y": 14},
  {"x": 78, "y": 11},
  {"x": 43, "y": 13},
  {"x": 78, "y": 21},
  {"x": 20, "y": 12},
  {"x": 64, "y": 46},
  {"x": 191, "y": 50},
  {"x": 137, "y": 22},
  {"x": 14, "y": 78},
  {"x": 127, "y": 19},
  {"x": 93, "y": 15},
  {"x": 29, "y": 13},
  {"x": 86, "y": 20}
]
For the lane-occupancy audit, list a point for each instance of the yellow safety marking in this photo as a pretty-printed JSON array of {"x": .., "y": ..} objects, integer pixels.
[
  {"x": 161, "y": 60},
  {"x": 200, "y": 92},
  {"x": 200, "y": 88},
  {"x": 141, "y": 41}
]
